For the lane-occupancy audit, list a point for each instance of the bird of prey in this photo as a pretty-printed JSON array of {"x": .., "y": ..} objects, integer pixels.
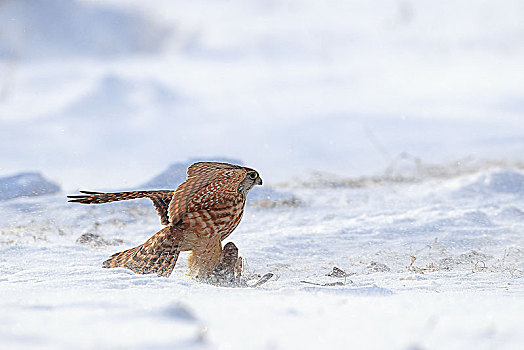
[{"x": 197, "y": 216}]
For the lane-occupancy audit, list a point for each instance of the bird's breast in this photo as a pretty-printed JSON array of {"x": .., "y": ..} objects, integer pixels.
[{"x": 215, "y": 221}]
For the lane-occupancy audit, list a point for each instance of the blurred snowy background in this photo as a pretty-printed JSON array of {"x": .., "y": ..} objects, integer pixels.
[
  {"x": 106, "y": 94},
  {"x": 389, "y": 134}
]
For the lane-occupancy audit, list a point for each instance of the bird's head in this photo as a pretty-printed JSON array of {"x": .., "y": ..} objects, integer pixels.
[{"x": 252, "y": 179}]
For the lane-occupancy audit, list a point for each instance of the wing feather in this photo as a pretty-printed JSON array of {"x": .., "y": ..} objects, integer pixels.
[
  {"x": 207, "y": 185},
  {"x": 160, "y": 199}
]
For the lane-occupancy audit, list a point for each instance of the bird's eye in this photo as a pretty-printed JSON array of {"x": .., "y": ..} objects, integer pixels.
[{"x": 253, "y": 176}]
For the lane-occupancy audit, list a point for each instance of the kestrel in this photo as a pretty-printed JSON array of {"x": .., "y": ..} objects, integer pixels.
[{"x": 198, "y": 215}]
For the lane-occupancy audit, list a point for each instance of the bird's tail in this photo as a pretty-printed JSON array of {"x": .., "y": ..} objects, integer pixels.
[{"x": 157, "y": 255}]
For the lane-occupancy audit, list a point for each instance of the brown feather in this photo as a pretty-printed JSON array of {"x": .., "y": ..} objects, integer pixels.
[
  {"x": 157, "y": 255},
  {"x": 160, "y": 199},
  {"x": 204, "y": 189}
]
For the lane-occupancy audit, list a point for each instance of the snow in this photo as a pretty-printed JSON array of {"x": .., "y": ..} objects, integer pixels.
[
  {"x": 389, "y": 136},
  {"x": 462, "y": 289}
]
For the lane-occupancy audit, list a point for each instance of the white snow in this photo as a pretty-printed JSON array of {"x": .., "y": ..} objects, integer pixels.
[
  {"x": 395, "y": 126},
  {"x": 463, "y": 290}
]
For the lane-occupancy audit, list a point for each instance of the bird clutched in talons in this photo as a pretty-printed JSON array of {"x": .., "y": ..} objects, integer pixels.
[{"x": 230, "y": 271}]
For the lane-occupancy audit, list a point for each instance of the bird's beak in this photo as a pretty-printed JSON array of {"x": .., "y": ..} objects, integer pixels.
[{"x": 259, "y": 181}]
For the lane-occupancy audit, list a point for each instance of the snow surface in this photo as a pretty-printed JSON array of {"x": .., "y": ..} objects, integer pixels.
[
  {"x": 431, "y": 264},
  {"x": 396, "y": 125}
]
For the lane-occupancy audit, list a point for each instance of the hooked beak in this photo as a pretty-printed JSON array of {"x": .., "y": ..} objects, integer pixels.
[{"x": 259, "y": 181}]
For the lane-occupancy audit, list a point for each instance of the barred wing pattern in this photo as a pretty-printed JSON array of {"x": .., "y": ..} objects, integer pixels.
[
  {"x": 205, "y": 183},
  {"x": 160, "y": 199}
]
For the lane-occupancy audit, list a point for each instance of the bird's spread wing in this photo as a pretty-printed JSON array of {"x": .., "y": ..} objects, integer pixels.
[
  {"x": 207, "y": 185},
  {"x": 160, "y": 199}
]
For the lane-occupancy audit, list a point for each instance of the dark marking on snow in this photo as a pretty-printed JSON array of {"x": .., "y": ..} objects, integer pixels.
[
  {"x": 262, "y": 280},
  {"x": 331, "y": 284},
  {"x": 337, "y": 272}
]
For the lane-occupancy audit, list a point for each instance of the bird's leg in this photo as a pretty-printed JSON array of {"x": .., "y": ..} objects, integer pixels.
[{"x": 205, "y": 257}]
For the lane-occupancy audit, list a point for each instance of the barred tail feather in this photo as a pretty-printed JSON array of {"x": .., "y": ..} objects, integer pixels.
[
  {"x": 122, "y": 258},
  {"x": 158, "y": 255}
]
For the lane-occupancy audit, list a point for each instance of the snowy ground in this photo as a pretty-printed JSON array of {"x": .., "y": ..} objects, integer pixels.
[
  {"x": 463, "y": 290},
  {"x": 398, "y": 126}
]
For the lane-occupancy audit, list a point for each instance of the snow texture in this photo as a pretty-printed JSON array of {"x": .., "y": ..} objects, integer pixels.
[
  {"x": 430, "y": 264},
  {"x": 389, "y": 136}
]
